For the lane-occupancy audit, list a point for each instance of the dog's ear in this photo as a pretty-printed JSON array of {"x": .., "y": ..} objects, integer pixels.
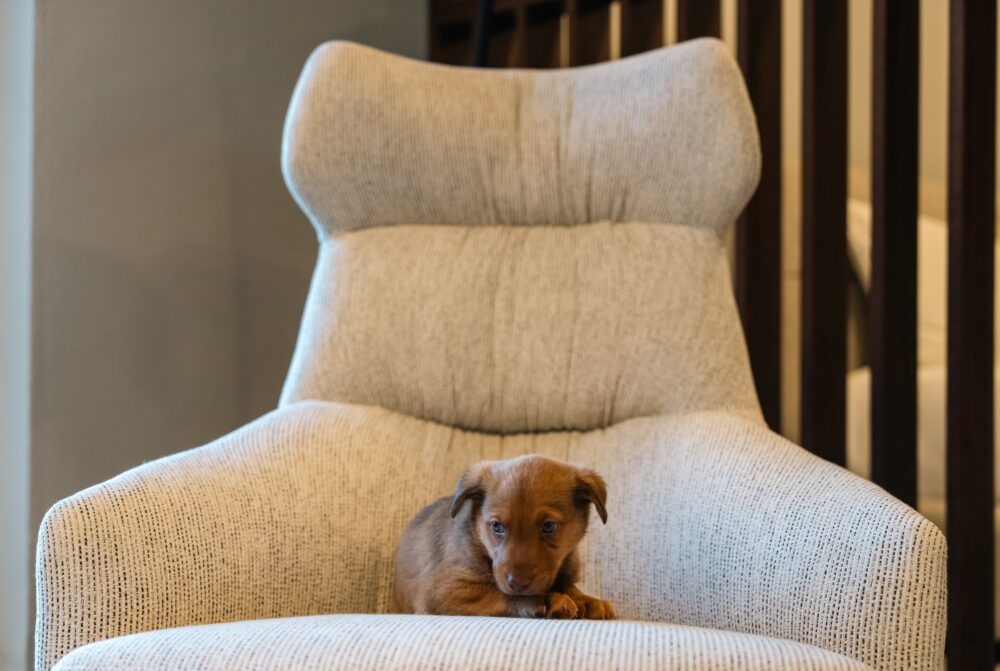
[
  {"x": 590, "y": 488},
  {"x": 469, "y": 486}
]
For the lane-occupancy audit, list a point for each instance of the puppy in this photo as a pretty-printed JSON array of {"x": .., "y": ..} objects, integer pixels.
[{"x": 504, "y": 544}]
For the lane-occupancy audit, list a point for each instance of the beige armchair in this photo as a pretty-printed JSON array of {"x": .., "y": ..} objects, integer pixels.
[{"x": 510, "y": 262}]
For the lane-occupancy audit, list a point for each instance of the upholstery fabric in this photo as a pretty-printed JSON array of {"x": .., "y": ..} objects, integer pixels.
[
  {"x": 509, "y": 254},
  {"x": 713, "y": 522},
  {"x": 486, "y": 259},
  {"x": 373, "y": 139},
  {"x": 516, "y": 328},
  {"x": 377, "y": 643}
]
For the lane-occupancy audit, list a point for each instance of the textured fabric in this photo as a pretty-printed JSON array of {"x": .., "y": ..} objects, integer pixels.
[
  {"x": 513, "y": 328},
  {"x": 373, "y": 139},
  {"x": 376, "y": 643},
  {"x": 485, "y": 262},
  {"x": 931, "y": 448},
  {"x": 713, "y": 522}
]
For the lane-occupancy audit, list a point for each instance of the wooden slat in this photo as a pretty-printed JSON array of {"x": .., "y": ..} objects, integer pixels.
[
  {"x": 484, "y": 33},
  {"x": 971, "y": 173},
  {"x": 698, "y": 18},
  {"x": 824, "y": 239},
  {"x": 463, "y": 11},
  {"x": 507, "y": 39},
  {"x": 641, "y": 26},
  {"x": 758, "y": 232},
  {"x": 542, "y": 34},
  {"x": 452, "y": 43},
  {"x": 893, "y": 317},
  {"x": 589, "y": 31}
]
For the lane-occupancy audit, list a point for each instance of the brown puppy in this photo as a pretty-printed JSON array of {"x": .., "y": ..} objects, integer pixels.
[{"x": 503, "y": 544}]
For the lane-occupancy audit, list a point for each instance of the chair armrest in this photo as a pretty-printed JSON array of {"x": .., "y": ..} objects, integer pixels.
[
  {"x": 755, "y": 534},
  {"x": 254, "y": 525}
]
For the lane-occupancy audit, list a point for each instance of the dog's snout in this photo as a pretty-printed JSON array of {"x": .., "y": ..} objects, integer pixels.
[{"x": 518, "y": 583}]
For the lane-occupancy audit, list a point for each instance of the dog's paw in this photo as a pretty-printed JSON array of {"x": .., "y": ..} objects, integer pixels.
[
  {"x": 592, "y": 608},
  {"x": 561, "y": 607}
]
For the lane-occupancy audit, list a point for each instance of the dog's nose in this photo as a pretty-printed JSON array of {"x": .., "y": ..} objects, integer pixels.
[{"x": 518, "y": 583}]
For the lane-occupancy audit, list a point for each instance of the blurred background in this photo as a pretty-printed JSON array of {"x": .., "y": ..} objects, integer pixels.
[
  {"x": 152, "y": 265},
  {"x": 164, "y": 263}
]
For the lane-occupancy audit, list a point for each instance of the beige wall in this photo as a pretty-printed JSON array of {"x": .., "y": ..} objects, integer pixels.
[
  {"x": 15, "y": 233},
  {"x": 170, "y": 264}
]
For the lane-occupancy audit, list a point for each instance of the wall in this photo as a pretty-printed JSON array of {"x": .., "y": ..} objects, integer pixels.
[
  {"x": 170, "y": 264},
  {"x": 15, "y": 233}
]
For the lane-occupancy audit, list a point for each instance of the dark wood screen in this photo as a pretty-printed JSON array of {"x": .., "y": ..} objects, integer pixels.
[
  {"x": 758, "y": 233},
  {"x": 553, "y": 33},
  {"x": 892, "y": 343},
  {"x": 698, "y": 18},
  {"x": 824, "y": 227},
  {"x": 971, "y": 171},
  {"x": 530, "y": 33},
  {"x": 641, "y": 26}
]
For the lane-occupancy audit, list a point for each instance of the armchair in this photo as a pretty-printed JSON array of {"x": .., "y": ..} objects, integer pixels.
[{"x": 510, "y": 262}]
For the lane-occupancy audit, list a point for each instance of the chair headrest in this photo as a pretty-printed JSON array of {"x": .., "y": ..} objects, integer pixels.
[{"x": 374, "y": 139}]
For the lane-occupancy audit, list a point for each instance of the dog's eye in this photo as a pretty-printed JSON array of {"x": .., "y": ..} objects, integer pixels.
[
  {"x": 497, "y": 528},
  {"x": 549, "y": 527}
]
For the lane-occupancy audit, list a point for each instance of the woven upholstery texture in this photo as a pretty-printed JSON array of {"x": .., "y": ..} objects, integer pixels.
[
  {"x": 667, "y": 136},
  {"x": 713, "y": 522},
  {"x": 486, "y": 259},
  {"x": 377, "y": 643},
  {"x": 510, "y": 263},
  {"x": 515, "y": 328}
]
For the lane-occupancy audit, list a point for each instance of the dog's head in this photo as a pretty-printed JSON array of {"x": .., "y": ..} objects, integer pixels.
[{"x": 529, "y": 513}]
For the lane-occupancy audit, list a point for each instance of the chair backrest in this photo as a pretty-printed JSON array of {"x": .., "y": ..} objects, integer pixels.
[{"x": 516, "y": 250}]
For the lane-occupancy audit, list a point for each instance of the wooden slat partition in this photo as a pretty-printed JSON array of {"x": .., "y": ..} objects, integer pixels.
[
  {"x": 452, "y": 43},
  {"x": 518, "y": 33},
  {"x": 589, "y": 31},
  {"x": 484, "y": 24},
  {"x": 541, "y": 39},
  {"x": 698, "y": 18},
  {"x": 528, "y": 33},
  {"x": 971, "y": 173},
  {"x": 892, "y": 341},
  {"x": 641, "y": 26},
  {"x": 506, "y": 39},
  {"x": 758, "y": 232},
  {"x": 824, "y": 238}
]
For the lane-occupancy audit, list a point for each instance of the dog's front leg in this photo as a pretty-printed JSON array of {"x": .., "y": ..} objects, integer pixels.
[
  {"x": 486, "y": 599},
  {"x": 474, "y": 597},
  {"x": 526, "y": 606},
  {"x": 554, "y": 606},
  {"x": 589, "y": 607}
]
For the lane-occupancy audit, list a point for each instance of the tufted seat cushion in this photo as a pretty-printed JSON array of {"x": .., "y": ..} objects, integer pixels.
[{"x": 377, "y": 642}]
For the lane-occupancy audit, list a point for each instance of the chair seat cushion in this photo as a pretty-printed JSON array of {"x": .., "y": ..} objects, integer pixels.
[{"x": 422, "y": 642}]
